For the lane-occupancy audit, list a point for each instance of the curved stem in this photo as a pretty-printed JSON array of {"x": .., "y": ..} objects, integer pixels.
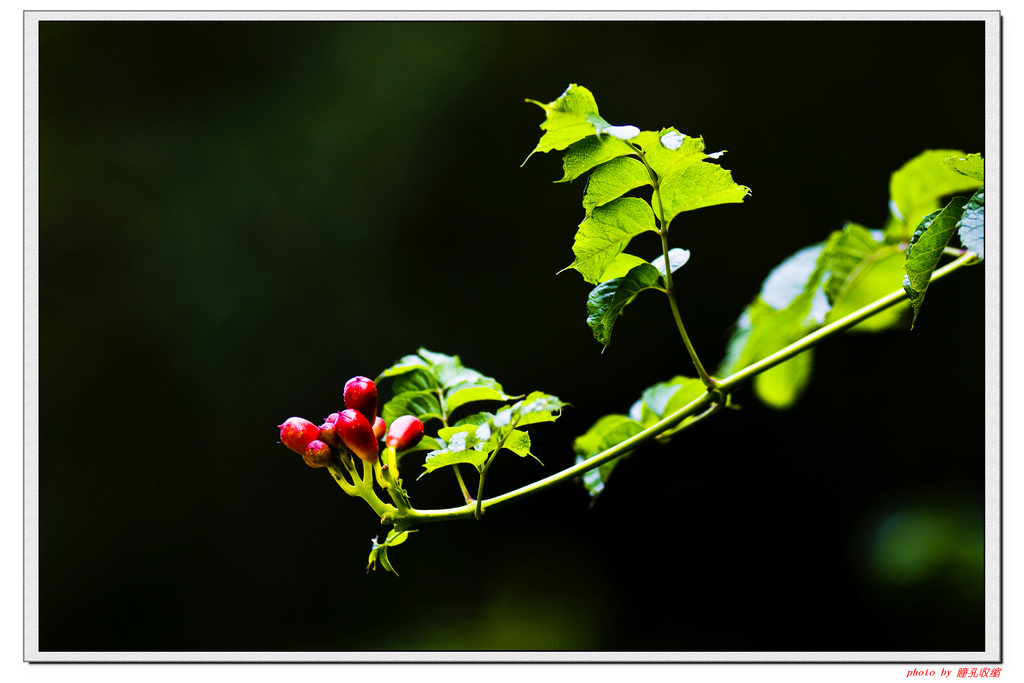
[
  {"x": 669, "y": 285},
  {"x": 412, "y": 517}
]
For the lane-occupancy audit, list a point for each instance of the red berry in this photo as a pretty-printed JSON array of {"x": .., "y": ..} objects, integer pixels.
[
  {"x": 296, "y": 433},
  {"x": 332, "y": 418},
  {"x": 318, "y": 454},
  {"x": 380, "y": 428},
  {"x": 361, "y": 395},
  {"x": 405, "y": 432},
  {"x": 355, "y": 432},
  {"x": 328, "y": 435}
]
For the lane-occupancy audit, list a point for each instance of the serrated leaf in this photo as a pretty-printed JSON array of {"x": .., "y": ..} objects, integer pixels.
[
  {"x": 476, "y": 419},
  {"x": 606, "y": 232},
  {"x": 608, "y": 299},
  {"x": 406, "y": 364},
  {"x": 973, "y": 165},
  {"x": 695, "y": 186},
  {"x": 916, "y": 188},
  {"x": 608, "y": 431},
  {"x": 536, "y": 407},
  {"x": 613, "y": 179},
  {"x": 518, "y": 442},
  {"x": 925, "y": 250},
  {"x": 591, "y": 152},
  {"x": 972, "y": 225},
  {"x": 419, "y": 379},
  {"x": 567, "y": 119},
  {"x": 462, "y": 448},
  {"x": 483, "y": 389},
  {"x": 419, "y": 404},
  {"x": 670, "y": 150}
]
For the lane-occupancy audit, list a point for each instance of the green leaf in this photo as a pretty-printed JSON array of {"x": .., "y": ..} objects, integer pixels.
[
  {"x": 613, "y": 179},
  {"x": 608, "y": 299},
  {"x": 483, "y": 389},
  {"x": 420, "y": 404},
  {"x": 590, "y": 152},
  {"x": 620, "y": 266},
  {"x": 416, "y": 380},
  {"x": 568, "y": 119},
  {"x": 518, "y": 442},
  {"x": 879, "y": 275},
  {"x": 608, "y": 431},
  {"x": 926, "y": 247},
  {"x": 606, "y": 232},
  {"x": 427, "y": 443},
  {"x": 536, "y": 407},
  {"x": 972, "y": 225},
  {"x": 694, "y": 186},
  {"x": 670, "y": 150},
  {"x": 379, "y": 551},
  {"x": 664, "y": 398},
  {"x": 464, "y": 447},
  {"x": 916, "y": 188},
  {"x": 476, "y": 419},
  {"x": 973, "y": 165},
  {"x": 688, "y": 390},
  {"x": 781, "y": 386},
  {"x": 406, "y": 364},
  {"x": 846, "y": 251}
]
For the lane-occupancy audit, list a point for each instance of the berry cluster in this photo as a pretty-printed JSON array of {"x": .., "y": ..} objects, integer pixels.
[{"x": 358, "y": 429}]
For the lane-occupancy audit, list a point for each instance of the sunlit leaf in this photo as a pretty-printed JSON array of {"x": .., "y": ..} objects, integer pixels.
[
  {"x": 608, "y": 431},
  {"x": 695, "y": 186},
  {"x": 590, "y": 152},
  {"x": 620, "y": 266},
  {"x": 915, "y": 190},
  {"x": 880, "y": 275},
  {"x": 973, "y": 165},
  {"x": 568, "y": 119},
  {"x": 420, "y": 404},
  {"x": 482, "y": 389},
  {"x": 670, "y": 150},
  {"x": 613, "y": 179},
  {"x": 781, "y": 386},
  {"x": 603, "y": 235}
]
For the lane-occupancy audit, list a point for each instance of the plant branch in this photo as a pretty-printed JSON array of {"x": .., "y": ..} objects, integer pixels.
[
  {"x": 705, "y": 405},
  {"x": 669, "y": 285}
]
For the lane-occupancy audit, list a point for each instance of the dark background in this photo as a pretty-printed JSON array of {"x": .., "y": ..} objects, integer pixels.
[{"x": 236, "y": 217}]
